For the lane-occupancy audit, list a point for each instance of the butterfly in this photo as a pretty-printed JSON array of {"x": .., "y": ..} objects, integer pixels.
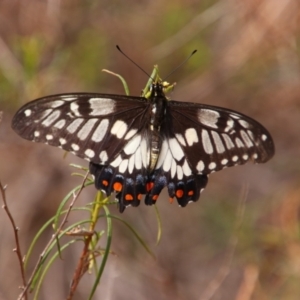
[{"x": 136, "y": 146}]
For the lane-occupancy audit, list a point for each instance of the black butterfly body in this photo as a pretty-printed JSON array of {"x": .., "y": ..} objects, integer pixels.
[{"x": 137, "y": 146}]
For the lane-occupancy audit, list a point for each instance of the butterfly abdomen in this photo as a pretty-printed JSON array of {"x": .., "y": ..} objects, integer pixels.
[{"x": 157, "y": 117}]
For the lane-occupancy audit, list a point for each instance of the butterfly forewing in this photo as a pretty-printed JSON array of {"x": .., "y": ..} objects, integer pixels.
[
  {"x": 95, "y": 127},
  {"x": 213, "y": 138}
]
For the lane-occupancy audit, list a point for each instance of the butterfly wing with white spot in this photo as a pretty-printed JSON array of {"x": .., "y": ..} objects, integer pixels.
[
  {"x": 95, "y": 127},
  {"x": 213, "y": 138}
]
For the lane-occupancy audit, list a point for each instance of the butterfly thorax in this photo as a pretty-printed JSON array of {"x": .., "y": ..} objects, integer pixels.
[{"x": 157, "y": 114}]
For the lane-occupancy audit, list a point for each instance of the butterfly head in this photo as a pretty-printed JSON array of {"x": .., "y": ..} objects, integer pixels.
[
  {"x": 160, "y": 89},
  {"x": 157, "y": 89}
]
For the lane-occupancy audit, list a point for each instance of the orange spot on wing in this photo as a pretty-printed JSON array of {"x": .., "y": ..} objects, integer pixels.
[
  {"x": 191, "y": 193},
  {"x": 118, "y": 186},
  {"x": 149, "y": 186},
  {"x": 154, "y": 197},
  {"x": 171, "y": 200},
  {"x": 128, "y": 197},
  {"x": 139, "y": 196},
  {"x": 105, "y": 182},
  {"x": 179, "y": 193}
]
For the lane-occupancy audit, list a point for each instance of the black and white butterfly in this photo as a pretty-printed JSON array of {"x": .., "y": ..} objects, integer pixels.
[{"x": 137, "y": 146}]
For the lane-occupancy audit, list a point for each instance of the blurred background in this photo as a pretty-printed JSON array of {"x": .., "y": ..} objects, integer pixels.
[{"x": 247, "y": 60}]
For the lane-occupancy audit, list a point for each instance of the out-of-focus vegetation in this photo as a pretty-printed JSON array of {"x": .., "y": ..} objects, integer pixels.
[{"x": 247, "y": 60}]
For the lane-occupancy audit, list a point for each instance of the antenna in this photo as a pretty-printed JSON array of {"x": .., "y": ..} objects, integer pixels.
[
  {"x": 146, "y": 72},
  {"x": 179, "y": 66},
  {"x": 133, "y": 61}
]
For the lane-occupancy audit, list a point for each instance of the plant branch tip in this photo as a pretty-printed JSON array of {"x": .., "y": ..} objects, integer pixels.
[
  {"x": 110, "y": 72},
  {"x": 78, "y": 167}
]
